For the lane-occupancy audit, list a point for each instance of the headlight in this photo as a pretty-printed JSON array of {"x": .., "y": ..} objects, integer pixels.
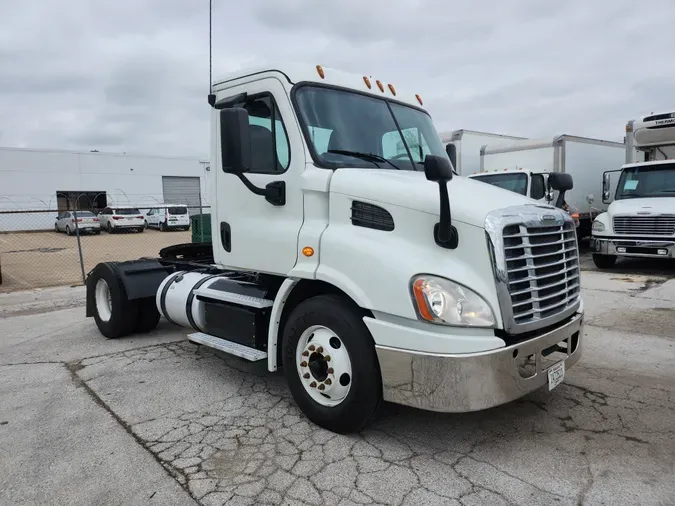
[
  {"x": 598, "y": 226},
  {"x": 443, "y": 301}
]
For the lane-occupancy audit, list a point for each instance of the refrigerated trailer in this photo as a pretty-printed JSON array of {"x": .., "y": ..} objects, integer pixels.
[
  {"x": 640, "y": 219},
  {"x": 583, "y": 158},
  {"x": 468, "y": 144}
]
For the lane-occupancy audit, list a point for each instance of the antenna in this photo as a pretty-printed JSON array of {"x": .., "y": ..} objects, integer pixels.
[{"x": 211, "y": 97}]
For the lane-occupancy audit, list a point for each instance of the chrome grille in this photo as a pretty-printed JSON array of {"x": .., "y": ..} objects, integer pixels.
[
  {"x": 644, "y": 225},
  {"x": 542, "y": 268}
]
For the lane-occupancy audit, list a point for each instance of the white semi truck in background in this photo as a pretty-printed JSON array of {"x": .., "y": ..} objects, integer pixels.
[
  {"x": 640, "y": 220},
  {"x": 583, "y": 158},
  {"x": 365, "y": 273},
  {"x": 467, "y": 145}
]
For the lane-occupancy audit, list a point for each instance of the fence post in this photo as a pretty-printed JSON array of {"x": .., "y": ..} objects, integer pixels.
[{"x": 79, "y": 246}]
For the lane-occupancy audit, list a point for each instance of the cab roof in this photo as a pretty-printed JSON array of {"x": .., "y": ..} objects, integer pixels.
[{"x": 294, "y": 73}]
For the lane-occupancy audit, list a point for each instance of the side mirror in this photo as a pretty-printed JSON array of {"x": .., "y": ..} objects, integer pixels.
[
  {"x": 560, "y": 181},
  {"x": 451, "y": 150},
  {"x": 605, "y": 187},
  {"x": 437, "y": 168},
  {"x": 235, "y": 141}
]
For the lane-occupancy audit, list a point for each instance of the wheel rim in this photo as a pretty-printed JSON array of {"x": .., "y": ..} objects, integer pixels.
[
  {"x": 324, "y": 366},
  {"x": 103, "y": 300}
]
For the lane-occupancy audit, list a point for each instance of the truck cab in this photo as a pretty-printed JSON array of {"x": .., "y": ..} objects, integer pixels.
[
  {"x": 640, "y": 219},
  {"x": 347, "y": 253},
  {"x": 525, "y": 182}
]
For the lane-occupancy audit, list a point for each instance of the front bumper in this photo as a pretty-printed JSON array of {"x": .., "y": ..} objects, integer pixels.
[
  {"x": 627, "y": 247},
  {"x": 471, "y": 382}
]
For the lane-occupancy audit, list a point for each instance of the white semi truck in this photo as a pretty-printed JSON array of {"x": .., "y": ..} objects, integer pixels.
[
  {"x": 583, "y": 158},
  {"x": 467, "y": 145},
  {"x": 640, "y": 222},
  {"x": 364, "y": 273}
]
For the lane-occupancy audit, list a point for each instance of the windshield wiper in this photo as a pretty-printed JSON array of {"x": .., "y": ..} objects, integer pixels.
[
  {"x": 632, "y": 195},
  {"x": 370, "y": 157}
]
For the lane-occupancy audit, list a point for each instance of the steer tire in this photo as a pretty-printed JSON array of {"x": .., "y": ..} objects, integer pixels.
[
  {"x": 341, "y": 316},
  {"x": 148, "y": 316},
  {"x": 604, "y": 261},
  {"x": 121, "y": 318}
]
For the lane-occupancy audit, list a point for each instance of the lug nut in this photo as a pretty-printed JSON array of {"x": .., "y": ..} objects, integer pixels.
[
  {"x": 312, "y": 384},
  {"x": 305, "y": 353},
  {"x": 306, "y": 375},
  {"x": 322, "y": 386},
  {"x": 328, "y": 381},
  {"x": 331, "y": 370},
  {"x": 327, "y": 358},
  {"x": 311, "y": 347},
  {"x": 319, "y": 349},
  {"x": 303, "y": 364}
]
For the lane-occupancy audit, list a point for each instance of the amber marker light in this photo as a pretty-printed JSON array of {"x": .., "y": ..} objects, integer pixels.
[
  {"x": 367, "y": 81},
  {"x": 380, "y": 85},
  {"x": 319, "y": 69},
  {"x": 308, "y": 251},
  {"x": 419, "y": 99},
  {"x": 391, "y": 88},
  {"x": 420, "y": 298}
]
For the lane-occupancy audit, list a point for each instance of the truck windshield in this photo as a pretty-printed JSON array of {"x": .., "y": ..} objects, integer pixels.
[
  {"x": 515, "y": 182},
  {"x": 349, "y": 129},
  {"x": 647, "y": 181}
]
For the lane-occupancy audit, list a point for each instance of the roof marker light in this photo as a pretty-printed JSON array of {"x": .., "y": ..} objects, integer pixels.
[
  {"x": 419, "y": 99},
  {"x": 391, "y": 88},
  {"x": 367, "y": 81},
  {"x": 319, "y": 69},
  {"x": 380, "y": 85}
]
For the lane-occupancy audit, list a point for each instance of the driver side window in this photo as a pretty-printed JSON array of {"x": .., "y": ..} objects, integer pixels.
[
  {"x": 537, "y": 187},
  {"x": 392, "y": 144}
]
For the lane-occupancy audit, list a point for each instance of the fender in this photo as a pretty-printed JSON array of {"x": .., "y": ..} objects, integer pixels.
[
  {"x": 275, "y": 319},
  {"x": 140, "y": 278}
]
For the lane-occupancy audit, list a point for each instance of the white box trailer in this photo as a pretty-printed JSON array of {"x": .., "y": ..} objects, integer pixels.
[
  {"x": 585, "y": 159},
  {"x": 468, "y": 144}
]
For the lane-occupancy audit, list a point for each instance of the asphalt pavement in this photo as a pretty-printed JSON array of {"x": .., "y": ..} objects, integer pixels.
[{"x": 157, "y": 420}]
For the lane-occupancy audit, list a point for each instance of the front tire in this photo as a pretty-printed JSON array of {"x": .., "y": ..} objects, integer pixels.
[
  {"x": 115, "y": 315},
  {"x": 604, "y": 261},
  {"x": 331, "y": 365}
]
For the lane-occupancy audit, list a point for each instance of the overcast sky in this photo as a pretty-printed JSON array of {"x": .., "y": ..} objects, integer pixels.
[{"x": 132, "y": 75}]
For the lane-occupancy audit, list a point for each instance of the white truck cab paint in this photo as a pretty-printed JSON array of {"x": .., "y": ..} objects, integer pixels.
[
  {"x": 640, "y": 221},
  {"x": 345, "y": 252}
]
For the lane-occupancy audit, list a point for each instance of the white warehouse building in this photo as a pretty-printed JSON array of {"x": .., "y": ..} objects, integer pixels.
[{"x": 54, "y": 181}]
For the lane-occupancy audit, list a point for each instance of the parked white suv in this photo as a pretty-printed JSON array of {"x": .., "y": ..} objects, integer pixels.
[
  {"x": 170, "y": 217},
  {"x": 87, "y": 222},
  {"x": 116, "y": 219}
]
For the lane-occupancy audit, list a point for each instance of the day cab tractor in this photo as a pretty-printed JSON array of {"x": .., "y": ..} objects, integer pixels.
[{"x": 345, "y": 253}]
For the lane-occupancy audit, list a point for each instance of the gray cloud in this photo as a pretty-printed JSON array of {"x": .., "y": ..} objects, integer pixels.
[{"x": 132, "y": 76}]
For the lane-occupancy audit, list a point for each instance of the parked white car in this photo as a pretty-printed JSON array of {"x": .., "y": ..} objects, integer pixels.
[
  {"x": 170, "y": 217},
  {"x": 116, "y": 219},
  {"x": 87, "y": 223}
]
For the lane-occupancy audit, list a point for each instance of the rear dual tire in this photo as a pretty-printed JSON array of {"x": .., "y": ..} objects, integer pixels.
[{"x": 115, "y": 315}]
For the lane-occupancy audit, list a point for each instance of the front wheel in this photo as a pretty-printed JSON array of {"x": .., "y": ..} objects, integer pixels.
[
  {"x": 604, "y": 261},
  {"x": 331, "y": 365}
]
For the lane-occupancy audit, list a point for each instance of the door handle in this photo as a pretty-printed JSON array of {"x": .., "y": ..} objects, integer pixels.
[{"x": 226, "y": 236}]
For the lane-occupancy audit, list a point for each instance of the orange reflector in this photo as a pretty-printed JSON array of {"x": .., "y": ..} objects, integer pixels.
[
  {"x": 380, "y": 85},
  {"x": 419, "y": 99},
  {"x": 575, "y": 215},
  {"x": 308, "y": 251},
  {"x": 319, "y": 69},
  {"x": 367, "y": 81},
  {"x": 391, "y": 88},
  {"x": 420, "y": 298}
]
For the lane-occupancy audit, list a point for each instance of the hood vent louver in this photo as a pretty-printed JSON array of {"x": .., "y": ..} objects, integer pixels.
[{"x": 371, "y": 216}]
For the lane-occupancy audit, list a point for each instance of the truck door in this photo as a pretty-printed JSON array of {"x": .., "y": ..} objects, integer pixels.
[{"x": 252, "y": 233}]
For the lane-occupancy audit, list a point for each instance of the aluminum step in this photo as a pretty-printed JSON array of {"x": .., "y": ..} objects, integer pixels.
[
  {"x": 235, "y": 298},
  {"x": 236, "y": 349}
]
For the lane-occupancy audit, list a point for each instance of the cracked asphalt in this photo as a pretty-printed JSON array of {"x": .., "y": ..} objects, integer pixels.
[{"x": 157, "y": 420}]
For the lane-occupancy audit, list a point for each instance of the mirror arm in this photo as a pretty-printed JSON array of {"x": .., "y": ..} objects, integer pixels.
[
  {"x": 445, "y": 235},
  {"x": 274, "y": 193}
]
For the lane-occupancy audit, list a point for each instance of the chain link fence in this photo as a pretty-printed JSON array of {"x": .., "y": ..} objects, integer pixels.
[{"x": 42, "y": 248}]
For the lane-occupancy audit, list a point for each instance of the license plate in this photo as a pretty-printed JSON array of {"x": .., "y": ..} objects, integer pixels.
[{"x": 556, "y": 374}]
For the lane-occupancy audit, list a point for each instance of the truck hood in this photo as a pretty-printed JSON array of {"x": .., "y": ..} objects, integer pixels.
[
  {"x": 470, "y": 201},
  {"x": 655, "y": 206}
]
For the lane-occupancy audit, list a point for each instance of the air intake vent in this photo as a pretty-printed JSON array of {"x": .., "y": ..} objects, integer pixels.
[{"x": 371, "y": 216}]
